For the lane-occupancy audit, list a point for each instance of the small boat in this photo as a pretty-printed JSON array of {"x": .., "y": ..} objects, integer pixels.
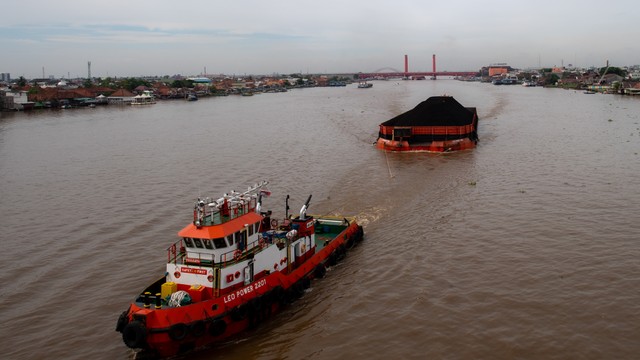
[
  {"x": 233, "y": 267},
  {"x": 337, "y": 83},
  {"x": 632, "y": 91},
  {"x": 364, "y": 85},
  {"x": 146, "y": 98},
  {"x": 192, "y": 97},
  {"x": 589, "y": 92}
]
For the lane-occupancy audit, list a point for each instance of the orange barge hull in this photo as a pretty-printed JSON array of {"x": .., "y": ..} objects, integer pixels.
[{"x": 434, "y": 146}]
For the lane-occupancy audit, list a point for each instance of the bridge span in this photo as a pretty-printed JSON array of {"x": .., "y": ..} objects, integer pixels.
[
  {"x": 429, "y": 74},
  {"x": 406, "y": 74}
]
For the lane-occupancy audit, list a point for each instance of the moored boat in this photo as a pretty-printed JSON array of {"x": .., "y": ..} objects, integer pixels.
[
  {"x": 233, "y": 267},
  {"x": 438, "y": 124},
  {"x": 364, "y": 85},
  {"x": 146, "y": 98}
]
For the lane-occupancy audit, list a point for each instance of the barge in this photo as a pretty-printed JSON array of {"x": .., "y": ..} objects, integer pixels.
[{"x": 438, "y": 124}]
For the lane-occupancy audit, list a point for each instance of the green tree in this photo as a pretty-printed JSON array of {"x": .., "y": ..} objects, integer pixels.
[
  {"x": 551, "y": 79},
  {"x": 132, "y": 83},
  {"x": 106, "y": 82},
  {"x": 612, "y": 70},
  {"x": 182, "y": 84},
  {"x": 22, "y": 81}
]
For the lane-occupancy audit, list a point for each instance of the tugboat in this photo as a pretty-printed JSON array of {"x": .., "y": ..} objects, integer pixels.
[{"x": 233, "y": 267}]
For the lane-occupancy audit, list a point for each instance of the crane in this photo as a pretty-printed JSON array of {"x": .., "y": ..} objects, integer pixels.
[{"x": 603, "y": 73}]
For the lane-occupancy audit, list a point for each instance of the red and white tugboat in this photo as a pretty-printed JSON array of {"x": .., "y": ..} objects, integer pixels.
[{"x": 232, "y": 268}]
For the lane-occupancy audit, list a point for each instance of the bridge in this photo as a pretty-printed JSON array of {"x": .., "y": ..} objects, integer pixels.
[
  {"x": 393, "y": 73},
  {"x": 414, "y": 75}
]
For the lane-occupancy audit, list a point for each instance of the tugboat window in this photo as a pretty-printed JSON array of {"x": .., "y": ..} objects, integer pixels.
[
  {"x": 240, "y": 239},
  {"x": 188, "y": 242},
  {"x": 230, "y": 240},
  {"x": 219, "y": 243},
  {"x": 250, "y": 229},
  {"x": 257, "y": 226},
  {"x": 198, "y": 243},
  {"x": 207, "y": 244}
]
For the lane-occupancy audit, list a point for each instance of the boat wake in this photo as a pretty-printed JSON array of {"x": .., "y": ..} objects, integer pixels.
[{"x": 497, "y": 108}]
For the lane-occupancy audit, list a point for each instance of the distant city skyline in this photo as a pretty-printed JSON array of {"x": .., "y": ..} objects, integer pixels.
[{"x": 146, "y": 38}]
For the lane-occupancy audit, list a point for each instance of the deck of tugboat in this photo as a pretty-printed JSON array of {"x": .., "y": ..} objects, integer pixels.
[{"x": 326, "y": 229}]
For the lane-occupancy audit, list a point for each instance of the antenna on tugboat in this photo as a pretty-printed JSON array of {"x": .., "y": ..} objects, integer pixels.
[{"x": 286, "y": 207}]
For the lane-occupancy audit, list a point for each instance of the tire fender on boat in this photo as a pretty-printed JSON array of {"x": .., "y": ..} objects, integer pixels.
[
  {"x": 239, "y": 312},
  {"x": 198, "y": 328},
  {"x": 297, "y": 290},
  {"x": 178, "y": 331},
  {"x": 279, "y": 295},
  {"x": 123, "y": 320},
  {"x": 319, "y": 271},
  {"x": 267, "y": 298},
  {"x": 255, "y": 304},
  {"x": 332, "y": 259},
  {"x": 217, "y": 327},
  {"x": 267, "y": 301},
  {"x": 306, "y": 282},
  {"x": 134, "y": 335}
]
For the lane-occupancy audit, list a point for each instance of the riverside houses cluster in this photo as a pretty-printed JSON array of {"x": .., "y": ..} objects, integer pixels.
[{"x": 23, "y": 94}]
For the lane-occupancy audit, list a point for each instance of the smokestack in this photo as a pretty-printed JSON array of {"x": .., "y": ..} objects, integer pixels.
[
  {"x": 406, "y": 64},
  {"x": 434, "y": 64}
]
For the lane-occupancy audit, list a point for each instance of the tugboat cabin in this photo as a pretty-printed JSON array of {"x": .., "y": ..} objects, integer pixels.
[{"x": 231, "y": 243}]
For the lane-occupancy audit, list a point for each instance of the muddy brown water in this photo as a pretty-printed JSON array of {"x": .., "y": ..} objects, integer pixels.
[{"x": 526, "y": 247}]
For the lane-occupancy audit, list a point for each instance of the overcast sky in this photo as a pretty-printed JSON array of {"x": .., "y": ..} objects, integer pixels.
[{"x": 132, "y": 38}]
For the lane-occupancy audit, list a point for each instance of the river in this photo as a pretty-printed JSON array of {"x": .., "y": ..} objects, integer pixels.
[{"x": 526, "y": 247}]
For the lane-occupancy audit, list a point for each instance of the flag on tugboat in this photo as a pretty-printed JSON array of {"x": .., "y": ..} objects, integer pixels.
[{"x": 265, "y": 192}]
